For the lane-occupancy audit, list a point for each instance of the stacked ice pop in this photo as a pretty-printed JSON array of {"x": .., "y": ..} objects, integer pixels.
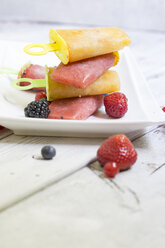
[{"x": 77, "y": 86}]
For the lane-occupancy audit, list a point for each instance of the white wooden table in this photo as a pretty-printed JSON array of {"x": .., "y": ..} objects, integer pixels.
[{"x": 62, "y": 203}]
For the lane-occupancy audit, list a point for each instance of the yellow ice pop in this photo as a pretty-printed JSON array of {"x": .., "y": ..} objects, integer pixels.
[
  {"x": 107, "y": 83},
  {"x": 72, "y": 45}
]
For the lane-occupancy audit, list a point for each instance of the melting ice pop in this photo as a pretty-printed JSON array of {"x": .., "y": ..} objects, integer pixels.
[
  {"x": 107, "y": 83},
  {"x": 72, "y": 45},
  {"x": 82, "y": 73}
]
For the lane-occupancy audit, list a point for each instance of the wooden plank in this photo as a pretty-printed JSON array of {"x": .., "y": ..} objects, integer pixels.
[
  {"x": 5, "y": 132},
  {"x": 23, "y": 175},
  {"x": 84, "y": 211},
  {"x": 147, "y": 170},
  {"x": 127, "y": 211}
]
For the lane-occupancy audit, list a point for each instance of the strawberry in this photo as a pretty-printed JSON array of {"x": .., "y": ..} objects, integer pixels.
[
  {"x": 163, "y": 109},
  {"x": 118, "y": 149},
  {"x": 40, "y": 95},
  {"x": 111, "y": 169},
  {"x": 115, "y": 104}
]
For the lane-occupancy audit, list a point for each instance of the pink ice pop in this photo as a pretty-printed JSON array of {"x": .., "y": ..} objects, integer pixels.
[
  {"x": 79, "y": 108},
  {"x": 82, "y": 73},
  {"x": 34, "y": 72}
]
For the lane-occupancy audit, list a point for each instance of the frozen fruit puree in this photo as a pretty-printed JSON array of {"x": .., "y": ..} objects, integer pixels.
[
  {"x": 79, "y": 108},
  {"x": 82, "y": 73},
  {"x": 78, "y": 44},
  {"x": 76, "y": 86},
  {"x": 72, "y": 45},
  {"x": 32, "y": 71},
  {"x": 107, "y": 83}
]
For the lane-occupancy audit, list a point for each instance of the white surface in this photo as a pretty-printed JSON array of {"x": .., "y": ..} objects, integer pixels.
[
  {"x": 137, "y": 14},
  {"x": 86, "y": 211},
  {"x": 23, "y": 175},
  {"x": 143, "y": 110}
]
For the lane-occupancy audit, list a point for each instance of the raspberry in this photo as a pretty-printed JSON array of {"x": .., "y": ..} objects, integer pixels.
[
  {"x": 40, "y": 95},
  {"x": 1, "y": 127},
  {"x": 115, "y": 104},
  {"x": 163, "y": 109}
]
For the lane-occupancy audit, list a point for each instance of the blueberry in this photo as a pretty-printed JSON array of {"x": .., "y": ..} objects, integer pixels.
[{"x": 48, "y": 152}]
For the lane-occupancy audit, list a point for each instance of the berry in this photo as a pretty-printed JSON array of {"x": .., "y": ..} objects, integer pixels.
[
  {"x": 37, "y": 109},
  {"x": 1, "y": 127},
  {"x": 119, "y": 149},
  {"x": 48, "y": 152},
  {"x": 111, "y": 169},
  {"x": 40, "y": 95},
  {"x": 163, "y": 109},
  {"x": 115, "y": 104}
]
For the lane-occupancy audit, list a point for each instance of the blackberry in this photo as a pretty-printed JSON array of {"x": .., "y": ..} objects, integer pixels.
[{"x": 37, "y": 109}]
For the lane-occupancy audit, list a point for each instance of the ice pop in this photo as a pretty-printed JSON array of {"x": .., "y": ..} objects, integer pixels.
[
  {"x": 32, "y": 71},
  {"x": 78, "y": 108},
  {"x": 107, "y": 83},
  {"x": 82, "y": 73},
  {"x": 77, "y": 44}
]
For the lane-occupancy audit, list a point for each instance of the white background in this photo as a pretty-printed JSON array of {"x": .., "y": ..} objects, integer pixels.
[{"x": 133, "y": 14}]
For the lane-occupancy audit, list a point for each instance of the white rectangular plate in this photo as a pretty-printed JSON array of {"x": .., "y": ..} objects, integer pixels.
[{"x": 143, "y": 110}]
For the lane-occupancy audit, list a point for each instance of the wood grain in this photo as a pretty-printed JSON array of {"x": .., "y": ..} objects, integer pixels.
[
  {"x": 73, "y": 211},
  {"x": 23, "y": 171}
]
